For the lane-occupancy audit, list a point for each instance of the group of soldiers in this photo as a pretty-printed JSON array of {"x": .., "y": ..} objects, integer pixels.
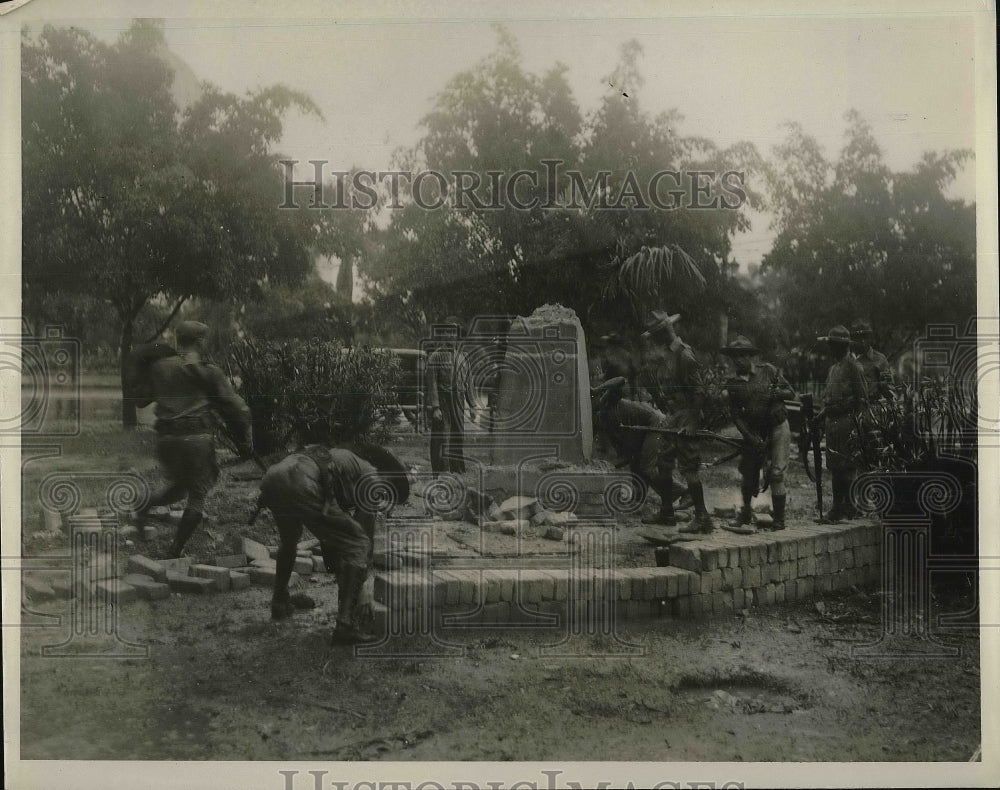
[
  {"x": 329, "y": 490},
  {"x": 659, "y": 426},
  {"x": 334, "y": 492}
]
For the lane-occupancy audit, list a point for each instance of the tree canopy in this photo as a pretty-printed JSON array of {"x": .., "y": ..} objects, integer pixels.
[
  {"x": 856, "y": 240},
  {"x": 591, "y": 252},
  {"x": 126, "y": 199}
]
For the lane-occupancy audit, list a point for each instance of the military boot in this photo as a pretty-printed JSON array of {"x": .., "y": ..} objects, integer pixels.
[
  {"x": 702, "y": 522},
  {"x": 837, "y": 511},
  {"x": 190, "y": 521},
  {"x": 743, "y": 521},
  {"x": 778, "y": 501},
  {"x": 665, "y": 518},
  {"x": 281, "y": 606},
  {"x": 349, "y": 587}
]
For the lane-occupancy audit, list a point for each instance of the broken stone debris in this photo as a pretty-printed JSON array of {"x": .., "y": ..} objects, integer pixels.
[
  {"x": 255, "y": 551},
  {"x": 519, "y": 507}
]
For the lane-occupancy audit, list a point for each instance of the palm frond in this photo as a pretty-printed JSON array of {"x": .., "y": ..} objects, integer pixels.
[{"x": 644, "y": 272}]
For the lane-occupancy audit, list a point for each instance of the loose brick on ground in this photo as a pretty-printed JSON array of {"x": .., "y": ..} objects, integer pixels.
[
  {"x": 238, "y": 581},
  {"x": 229, "y": 561},
  {"x": 139, "y": 563},
  {"x": 255, "y": 551},
  {"x": 218, "y": 574},
  {"x": 180, "y": 565},
  {"x": 182, "y": 583},
  {"x": 147, "y": 587},
  {"x": 115, "y": 591}
]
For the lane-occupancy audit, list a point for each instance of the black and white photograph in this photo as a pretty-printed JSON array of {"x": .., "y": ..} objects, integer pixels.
[{"x": 455, "y": 395}]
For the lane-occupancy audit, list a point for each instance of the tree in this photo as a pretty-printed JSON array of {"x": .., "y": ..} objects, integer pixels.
[
  {"x": 126, "y": 200},
  {"x": 856, "y": 240},
  {"x": 470, "y": 258}
]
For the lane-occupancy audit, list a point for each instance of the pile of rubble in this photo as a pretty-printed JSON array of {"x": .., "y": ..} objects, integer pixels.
[
  {"x": 154, "y": 579},
  {"x": 521, "y": 515}
]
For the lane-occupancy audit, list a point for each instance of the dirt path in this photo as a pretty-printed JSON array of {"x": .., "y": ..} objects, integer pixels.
[{"x": 222, "y": 682}]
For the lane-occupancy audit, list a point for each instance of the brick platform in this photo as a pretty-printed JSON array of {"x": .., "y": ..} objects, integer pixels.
[{"x": 721, "y": 573}]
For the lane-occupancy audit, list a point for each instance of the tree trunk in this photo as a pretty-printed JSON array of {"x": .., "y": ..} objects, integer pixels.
[
  {"x": 129, "y": 418},
  {"x": 345, "y": 278}
]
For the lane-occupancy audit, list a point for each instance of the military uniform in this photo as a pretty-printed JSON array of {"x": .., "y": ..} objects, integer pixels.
[
  {"x": 616, "y": 361},
  {"x": 188, "y": 394},
  {"x": 877, "y": 372},
  {"x": 879, "y": 379},
  {"x": 648, "y": 453},
  {"x": 644, "y": 450},
  {"x": 672, "y": 377},
  {"x": 757, "y": 405},
  {"x": 449, "y": 388},
  {"x": 324, "y": 490},
  {"x": 845, "y": 393},
  {"x": 671, "y": 374}
]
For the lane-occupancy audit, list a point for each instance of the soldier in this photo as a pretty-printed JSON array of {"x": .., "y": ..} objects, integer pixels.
[
  {"x": 187, "y": 391},
  {"x": 617, "y": 361},
  {"x": 336, "y": 494},
  {"x": 843, "y": 397},
  {"x": 671, "y": 374},
  {"x": 647, "y": 453},
  {"x": 449, "y": 389},
  {"x": 757, "y": 395},
  {"x": 878, "y": 373}
]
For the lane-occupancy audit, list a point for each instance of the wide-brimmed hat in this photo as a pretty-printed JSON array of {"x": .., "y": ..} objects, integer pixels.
[
  {"x": 837, "y": 336},
  {"x": 860, "y": 328},
  {"x": 660, "y": 319},
  {"x": 739, "y": 346},
  {"x": 191, "y": 331}
]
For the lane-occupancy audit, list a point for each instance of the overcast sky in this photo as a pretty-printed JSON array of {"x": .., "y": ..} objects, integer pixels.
[{"x": 734, "y": 78}]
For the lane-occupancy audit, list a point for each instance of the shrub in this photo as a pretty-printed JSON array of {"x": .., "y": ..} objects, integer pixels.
[{"x": 314, "y": 391}]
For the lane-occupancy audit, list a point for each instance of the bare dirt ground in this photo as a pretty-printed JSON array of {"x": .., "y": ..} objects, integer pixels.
[{"x": 223, "y": 682}]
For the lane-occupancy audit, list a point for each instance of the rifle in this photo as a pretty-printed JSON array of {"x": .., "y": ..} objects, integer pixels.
[
  {"x": 225, "y": 437},
  {"x": 687, "y": 434},
  {"x": 714, "y": 462},
  {"x": 810, "y": 437}
]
